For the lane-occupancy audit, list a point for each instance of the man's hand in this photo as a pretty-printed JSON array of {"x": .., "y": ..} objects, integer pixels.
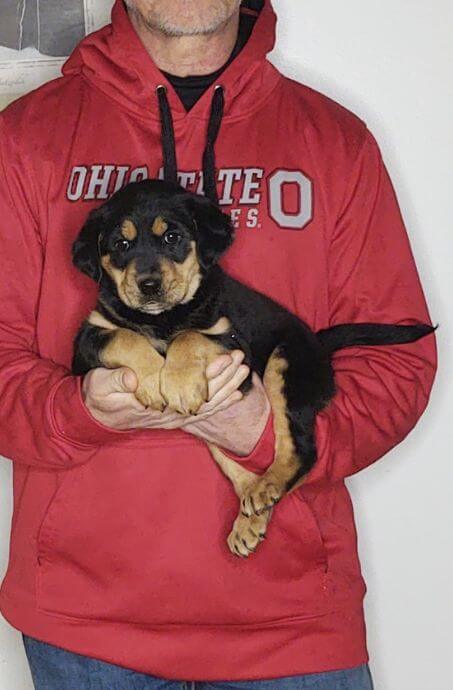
[
  {"x": 226, "y": 419},
  {"x": 109, "y": 396},
  {"x": 239, "y": 425}
]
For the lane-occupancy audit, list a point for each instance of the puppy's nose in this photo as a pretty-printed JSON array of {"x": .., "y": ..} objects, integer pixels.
[{"x": 150, "y": 285}]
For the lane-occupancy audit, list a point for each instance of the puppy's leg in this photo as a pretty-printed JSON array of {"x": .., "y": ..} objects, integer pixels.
[
  {"x": 184, "y": 384},
  {"x": 295, "y": 450},
  {"x": 247, "y": 532},
  {"x": 125, "y": 348}
]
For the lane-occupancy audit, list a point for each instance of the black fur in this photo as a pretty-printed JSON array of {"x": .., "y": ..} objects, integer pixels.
[{"x": 259, "y": 325}]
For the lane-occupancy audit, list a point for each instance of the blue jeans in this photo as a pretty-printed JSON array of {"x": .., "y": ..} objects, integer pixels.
[{"x": 53, "y": 668}]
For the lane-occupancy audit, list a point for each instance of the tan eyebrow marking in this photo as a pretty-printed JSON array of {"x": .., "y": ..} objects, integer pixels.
[
  {"x": 159, "y": 226},
  {"x": 128, "y": 230}
]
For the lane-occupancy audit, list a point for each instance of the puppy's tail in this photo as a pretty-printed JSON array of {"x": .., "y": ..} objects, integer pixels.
[{"x": 357, "y": 334}]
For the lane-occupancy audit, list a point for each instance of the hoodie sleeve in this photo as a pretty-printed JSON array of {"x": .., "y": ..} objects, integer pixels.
[
  {"x": 381, "y": 391},
  {"x": 43, "y": 420}
]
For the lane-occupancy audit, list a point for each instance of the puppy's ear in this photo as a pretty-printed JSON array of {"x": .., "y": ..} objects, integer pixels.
[
  {"x": 215, "y": 232},
  {"x": 85, "y": 250}
]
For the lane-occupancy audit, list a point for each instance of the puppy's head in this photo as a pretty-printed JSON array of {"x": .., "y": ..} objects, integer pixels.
[{"x": 155, "y": 242}]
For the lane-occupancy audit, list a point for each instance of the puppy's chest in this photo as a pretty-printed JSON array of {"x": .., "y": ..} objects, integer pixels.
[
  {"x": 159, "y": 344},
  {"x": 215, "y": 327}
]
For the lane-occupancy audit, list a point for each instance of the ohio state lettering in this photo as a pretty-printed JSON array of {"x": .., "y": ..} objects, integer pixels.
[
  {"x": 101, "y": 181},
  {"x": 289, "y": 193}
]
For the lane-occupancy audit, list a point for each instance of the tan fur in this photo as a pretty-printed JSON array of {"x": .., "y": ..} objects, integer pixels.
[
  {"x": 274, "y": 384},
  {"x": 115, "y": 273},
  {"x": 258, "y": 494},
  {"x": 97, "y": 319},
  {"x": 125, "y": 281},
  {"x": 128, "y": 349},
  {"x": 236, "y": 473},
  {"x": 181, "y": 281},
  {"x": 247, "y": 532},
  {"x": 128, "y": 230},
  {"x": 269, "y": 489},
  {"x": 222, "y": 326},
  {"x": 159, "y": 227},
  {"x": 184, "y": 384}
]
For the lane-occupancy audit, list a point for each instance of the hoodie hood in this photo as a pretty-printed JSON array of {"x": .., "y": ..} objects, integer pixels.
[{"x": 115, "y": 61}]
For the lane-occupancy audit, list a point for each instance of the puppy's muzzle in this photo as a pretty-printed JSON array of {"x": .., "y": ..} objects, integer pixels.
[{"x": 150, "y": 286}]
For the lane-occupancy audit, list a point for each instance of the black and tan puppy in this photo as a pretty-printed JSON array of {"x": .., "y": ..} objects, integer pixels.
[{"x": 166, "y": 310}]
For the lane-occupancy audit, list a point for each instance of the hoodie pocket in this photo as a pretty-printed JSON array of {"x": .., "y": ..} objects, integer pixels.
[{"x": 140, "y": 537}]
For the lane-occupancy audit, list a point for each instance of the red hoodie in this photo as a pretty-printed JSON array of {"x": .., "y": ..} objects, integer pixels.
[{"x": 118, "y": 538}]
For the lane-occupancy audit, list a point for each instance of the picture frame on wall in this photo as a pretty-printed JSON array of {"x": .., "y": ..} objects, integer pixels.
[{"x": 36, "y": 37}]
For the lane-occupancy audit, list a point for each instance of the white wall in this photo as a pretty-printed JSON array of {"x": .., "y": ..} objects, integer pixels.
[{"x": 390, "y": 61}]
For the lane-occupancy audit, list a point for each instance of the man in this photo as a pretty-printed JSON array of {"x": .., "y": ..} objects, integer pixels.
[{"x": 118, "y": 559}]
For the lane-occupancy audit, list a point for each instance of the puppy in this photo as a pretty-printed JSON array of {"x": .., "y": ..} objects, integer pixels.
[{"x": 167, "y": 310}]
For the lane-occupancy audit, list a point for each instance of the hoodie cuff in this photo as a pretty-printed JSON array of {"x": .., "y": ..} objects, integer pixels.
[
  {"x": 71, "y": 420},
  {"x": 262, "y": 456}
]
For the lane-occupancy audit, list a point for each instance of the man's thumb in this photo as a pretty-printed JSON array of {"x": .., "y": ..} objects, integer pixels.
[{"x": 124, "y": 380}]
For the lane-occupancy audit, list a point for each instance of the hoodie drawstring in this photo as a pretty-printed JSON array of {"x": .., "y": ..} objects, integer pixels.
[
  {"x": 167, "y": 137},
  {"x": 169, "y": 145},
  {"x": 215, "y": 120}
]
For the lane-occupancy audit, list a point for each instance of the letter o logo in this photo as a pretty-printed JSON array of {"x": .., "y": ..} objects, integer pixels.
[{"x": 290, "y": 221}]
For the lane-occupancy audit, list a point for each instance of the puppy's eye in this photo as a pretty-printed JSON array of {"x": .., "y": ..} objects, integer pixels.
[
  {"x": 122, "y": 245},
  {"x": 171, "y": 237}
]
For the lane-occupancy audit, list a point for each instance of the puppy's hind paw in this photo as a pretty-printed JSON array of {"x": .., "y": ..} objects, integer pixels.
[
  {"x": 247, "y": 534},
  {"x": 261, "y": 497}
]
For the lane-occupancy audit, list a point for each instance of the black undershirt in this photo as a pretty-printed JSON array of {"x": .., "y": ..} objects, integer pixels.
[{"x": 190, "y": 89}]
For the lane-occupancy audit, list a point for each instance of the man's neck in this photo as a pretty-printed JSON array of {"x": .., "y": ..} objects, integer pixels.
[{"x": 188, "y": 55}]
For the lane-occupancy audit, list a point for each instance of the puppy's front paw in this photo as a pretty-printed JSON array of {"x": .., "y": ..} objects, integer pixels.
[
  {"x": 149, "y": 393},
  {"x": 261, "y": 496},
  {"x": 185, "y": 390},
  {"x": 247, "y": 534}
]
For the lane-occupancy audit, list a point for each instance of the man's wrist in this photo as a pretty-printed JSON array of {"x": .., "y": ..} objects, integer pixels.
[
  {"x": 74, "y": 422},
  {"x": 262, "y": 454},
  {"x": 231, "y": 430}
]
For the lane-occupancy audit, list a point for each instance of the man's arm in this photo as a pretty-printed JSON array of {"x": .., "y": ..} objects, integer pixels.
[
  {"x": 381, "y": 391},
  {"x": 43, "y": 420}
]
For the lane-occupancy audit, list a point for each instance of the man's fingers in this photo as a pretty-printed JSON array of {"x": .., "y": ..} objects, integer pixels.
[
  {"x": 153, "y": 419},
  {"x": 125, "y": 380},
  {"x": 227, "y": 389},
  {"x": 113, "y": 385},
  {"x": 226, "y": 403},
  {"x": 218, "y": 366},
  {"x": 237, "y": 356},
  {"x": 222, "y": 363},
  {"x": 231, "y": 386},
  {"x": 122, "y": 380},
  {"x": 207, "y": 410},
  {"x": 217, "y": 383}
]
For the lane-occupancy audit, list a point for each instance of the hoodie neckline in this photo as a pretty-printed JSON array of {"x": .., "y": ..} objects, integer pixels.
[{"x": 115, "y": 61}]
